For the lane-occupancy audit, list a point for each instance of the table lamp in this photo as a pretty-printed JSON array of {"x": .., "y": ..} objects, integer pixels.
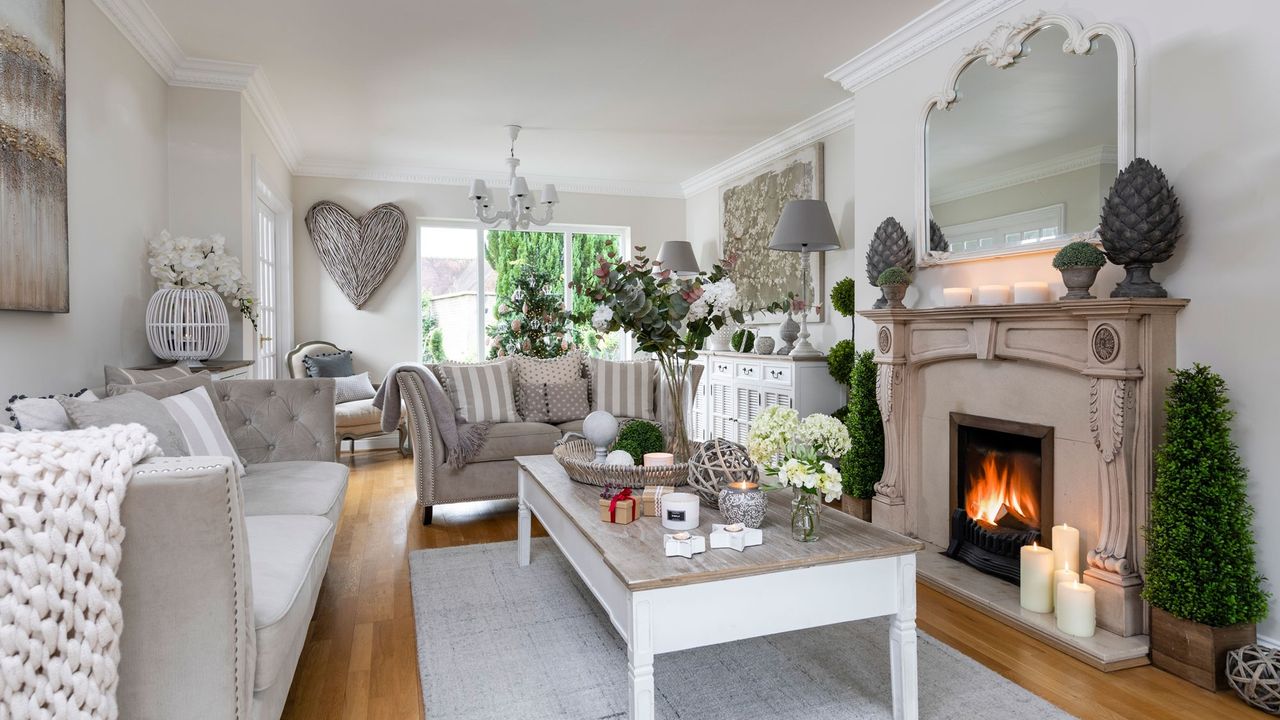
[{"x": 805, "y": 226}]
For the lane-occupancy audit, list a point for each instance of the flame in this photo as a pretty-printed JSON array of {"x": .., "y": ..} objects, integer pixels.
[{"x": 997, "y": 485}]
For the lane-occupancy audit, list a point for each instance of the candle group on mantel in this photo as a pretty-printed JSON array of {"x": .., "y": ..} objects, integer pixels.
[
  {"x": 1050, "y": 582},
  {"x": 1030, "y": 291}
]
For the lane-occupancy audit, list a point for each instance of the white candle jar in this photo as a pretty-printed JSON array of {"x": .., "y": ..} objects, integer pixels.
[{"x": 680, "y": 511}]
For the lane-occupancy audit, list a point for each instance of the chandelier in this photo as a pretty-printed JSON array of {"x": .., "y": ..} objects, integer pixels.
[{"x": 520, "y": 212}]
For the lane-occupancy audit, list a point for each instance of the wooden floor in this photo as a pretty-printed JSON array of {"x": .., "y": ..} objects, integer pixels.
[{"x": 360, "y": 659}]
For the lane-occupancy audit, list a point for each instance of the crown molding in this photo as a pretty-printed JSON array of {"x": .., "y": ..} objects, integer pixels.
[
  {"x": 462, "y": 178},
  {"x": 811, "y": 129},
  {"x": 1070, "y": 162},
  {"x": 140, "y": 26},
  {"x": 936, "y": 26}
]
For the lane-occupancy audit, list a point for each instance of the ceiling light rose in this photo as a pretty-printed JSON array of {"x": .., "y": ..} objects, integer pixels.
[{"x": 520, "y": 212}]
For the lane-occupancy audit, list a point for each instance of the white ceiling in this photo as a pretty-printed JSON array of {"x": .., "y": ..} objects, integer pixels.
[{"x": 645, "y": 92}]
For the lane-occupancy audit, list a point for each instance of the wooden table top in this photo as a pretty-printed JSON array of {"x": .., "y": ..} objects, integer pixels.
[{"x": 635, "y": 551}]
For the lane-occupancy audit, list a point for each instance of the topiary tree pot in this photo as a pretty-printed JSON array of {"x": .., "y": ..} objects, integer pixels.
[
  {"x": 893, "y": 295},
  {"x": 1079, "y": 280},
  {"x": 1138, "y": 283},
  {"x": 856, "y": 506},
  {"x": 1194, "y": 652}
]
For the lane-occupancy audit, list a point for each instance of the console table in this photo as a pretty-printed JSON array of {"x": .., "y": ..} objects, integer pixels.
[{"x": 736, "y": 386}]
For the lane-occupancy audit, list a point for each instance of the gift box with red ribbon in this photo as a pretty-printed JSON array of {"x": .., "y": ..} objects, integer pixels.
[{"x": 618, "y": 506}]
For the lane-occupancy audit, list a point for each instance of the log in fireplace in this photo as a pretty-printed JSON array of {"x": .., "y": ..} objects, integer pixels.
[{"x": 1001, "y": 491}]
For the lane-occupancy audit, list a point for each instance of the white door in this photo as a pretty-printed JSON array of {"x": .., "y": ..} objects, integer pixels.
[{"x": 265, "y": 356}]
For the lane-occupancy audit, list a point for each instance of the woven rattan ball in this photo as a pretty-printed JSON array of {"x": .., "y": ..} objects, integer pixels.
[
  {"x": 1254, "y": 673},
  {"x": 717, "y": 463}
]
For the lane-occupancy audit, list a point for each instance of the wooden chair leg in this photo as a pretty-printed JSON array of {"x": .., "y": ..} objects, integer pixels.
[{"x": 426, "y": 514}]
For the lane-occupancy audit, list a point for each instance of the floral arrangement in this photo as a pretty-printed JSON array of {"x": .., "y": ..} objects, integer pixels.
[
  {"x": 667, "y": 315},
  {"x": 805, "y": 449},
  {"x": 205, "y": 264}
]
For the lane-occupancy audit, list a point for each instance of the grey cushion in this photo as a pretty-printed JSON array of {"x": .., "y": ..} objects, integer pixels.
[
  {"x": 299, "y": 487},
  {"x": 287, "y": 558},
  {"x": 553, "y": 402},
  {"x": 507, "y": 440},
  {"x": 329, "y": 364},
  {"x": 162, "y": 389},
  {"x": 353, "y": 387},
  {"x": 130, "y": 376},
  {"x": 125, "y": 409}
]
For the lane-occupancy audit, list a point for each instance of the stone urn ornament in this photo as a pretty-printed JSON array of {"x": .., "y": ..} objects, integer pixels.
[
  {"x": 1141, "y": 225},
  {"x": 1079, "y": 263},
  {"x": 893, "y": 284},
  {"x": 889, "y": 247},
  {"x": 788, "y": 332},
  {"x": 764, "y": 346}
]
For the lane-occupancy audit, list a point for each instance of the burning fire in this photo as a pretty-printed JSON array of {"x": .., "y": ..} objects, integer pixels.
[{"x": 997, "y": 491}]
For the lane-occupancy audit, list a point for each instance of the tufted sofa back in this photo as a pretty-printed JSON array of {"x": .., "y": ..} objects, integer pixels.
[{"x": 279, "y": 420}]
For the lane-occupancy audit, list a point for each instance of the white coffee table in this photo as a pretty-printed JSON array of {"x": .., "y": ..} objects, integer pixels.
[{"x": 661, "y": 605}]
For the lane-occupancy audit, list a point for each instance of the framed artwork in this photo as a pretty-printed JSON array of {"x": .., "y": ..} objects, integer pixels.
[
  {"x": 749, "y": 209},
  {"x": 33, "y": 157}
]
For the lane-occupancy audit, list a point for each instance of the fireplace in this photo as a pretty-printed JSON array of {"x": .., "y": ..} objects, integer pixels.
[{"x": 1001, "y": 491}]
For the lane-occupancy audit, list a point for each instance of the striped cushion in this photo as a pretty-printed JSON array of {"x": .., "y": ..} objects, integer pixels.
[
  {"x": 623, "y": 389},
  {"x": 482, "y": 392},
  {"x": 133, "y": 376},
  {"x": 198, "y": 421}
]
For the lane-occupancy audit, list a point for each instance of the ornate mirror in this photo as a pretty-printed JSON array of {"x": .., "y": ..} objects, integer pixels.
[{"x": 1024, "y": 141}]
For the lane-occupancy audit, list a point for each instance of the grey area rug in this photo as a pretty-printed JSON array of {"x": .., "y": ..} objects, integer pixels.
[{"x": 499, "y": 641}]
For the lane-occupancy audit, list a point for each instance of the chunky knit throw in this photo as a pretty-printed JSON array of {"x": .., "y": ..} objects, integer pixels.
[{"x": 60, "y": 540}]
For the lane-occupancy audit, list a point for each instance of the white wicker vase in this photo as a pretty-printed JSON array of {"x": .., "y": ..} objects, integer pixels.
[{"x": 188, "y": 325}]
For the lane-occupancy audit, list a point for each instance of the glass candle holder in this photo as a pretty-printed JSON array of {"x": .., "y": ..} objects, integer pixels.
[{"x": 743, "y": 502}]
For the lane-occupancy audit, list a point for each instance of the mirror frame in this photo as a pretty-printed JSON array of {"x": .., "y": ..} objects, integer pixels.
[{"x": 1001, "y": 49}]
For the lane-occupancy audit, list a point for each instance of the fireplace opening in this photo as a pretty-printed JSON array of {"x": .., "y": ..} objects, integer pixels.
[{"x": 1001, "y": 491}]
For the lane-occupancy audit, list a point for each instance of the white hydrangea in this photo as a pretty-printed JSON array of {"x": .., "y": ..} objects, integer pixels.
[
  {"x": 601, "y": 318},
  {"x": 771, "y": 432},
  {"x": 720, "y": 296},
  {"x": 817, "y": 478},
  {"x": 826, "y": 435}
]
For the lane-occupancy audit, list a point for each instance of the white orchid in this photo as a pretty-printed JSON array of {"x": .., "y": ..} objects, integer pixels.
[{"x": 185, "y": 262}]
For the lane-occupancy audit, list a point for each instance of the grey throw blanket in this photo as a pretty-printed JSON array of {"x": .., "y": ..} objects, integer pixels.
[{"x": 462, "y": 440}]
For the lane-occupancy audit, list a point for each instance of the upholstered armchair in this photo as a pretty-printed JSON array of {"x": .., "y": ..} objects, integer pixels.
[{"x": 355, "y": 420}]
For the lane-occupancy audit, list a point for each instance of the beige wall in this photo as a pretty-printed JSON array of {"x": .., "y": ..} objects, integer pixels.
[
  {"x": 385, "y": 331},
  {"x": 116, "y": 179}
]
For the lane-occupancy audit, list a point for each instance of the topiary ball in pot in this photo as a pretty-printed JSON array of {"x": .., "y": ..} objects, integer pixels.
[
  {"x": 1079, "y": 263},
  {"x": 1141, "y": 224},
  {"x": 843, "y": 296},
  {"x": 893, "y": 284},
  {"x": 638, "y": 438}
]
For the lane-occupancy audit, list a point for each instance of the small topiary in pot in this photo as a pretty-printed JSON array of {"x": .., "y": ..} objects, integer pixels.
[
  {"x": 743, "y": 341},
  {"x": 639, "y": 437},
  {"x": 893, "y": 283},
  {"x": 1079, "y": 263}
]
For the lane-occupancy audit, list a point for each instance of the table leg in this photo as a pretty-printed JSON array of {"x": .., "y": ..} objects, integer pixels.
[
  {"x": 640, "y": 661},
  {"x": 902, "y": 644},
  {"x": 523, "y": 528}
]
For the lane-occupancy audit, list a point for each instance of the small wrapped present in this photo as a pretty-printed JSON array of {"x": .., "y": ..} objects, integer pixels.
[
  {"x": 651, "y": 499},
  {"x": 618, "y": 506}
]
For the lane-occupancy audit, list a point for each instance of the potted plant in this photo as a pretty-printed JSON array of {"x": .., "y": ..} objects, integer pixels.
[
  {"x": 800, "y": 454},
  {"x": 843, "y": 295},
  {"x": 1079, "y": 263},
  {"x": 893, "y": 283},
  {"x": 1141, "y": 225},
  {"x": 1205, "y": 592},
  {"x": 863, "y": 465},
  {"x": 187, "y": 317}
]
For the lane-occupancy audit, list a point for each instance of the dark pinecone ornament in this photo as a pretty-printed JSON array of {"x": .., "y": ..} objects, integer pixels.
[
  {"x": 889, "y": 247},
  {"x": 937, "y": 241},
  {"x": 1141, "y": 224}
]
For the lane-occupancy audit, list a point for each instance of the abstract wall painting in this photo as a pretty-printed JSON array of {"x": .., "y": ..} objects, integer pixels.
[
  {"x": 33, "y": 157},
  {"x": 749, "y": 209}
]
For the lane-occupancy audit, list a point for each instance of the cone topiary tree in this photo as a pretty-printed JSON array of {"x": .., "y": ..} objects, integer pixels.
[
  {"x": 1200, "y": 559},
  {"x": 862, "y": 466},
  {"x": 532, "y": 321}
]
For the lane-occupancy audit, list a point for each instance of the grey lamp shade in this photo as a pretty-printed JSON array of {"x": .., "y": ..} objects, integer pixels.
[
  {"x": 677, "y": 256},
  {"x": 805, "y": 225}
]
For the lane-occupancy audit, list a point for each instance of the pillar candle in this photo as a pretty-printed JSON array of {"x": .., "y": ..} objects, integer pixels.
[
  {"x": 1066, "y": 547},
  {"x": 1077, "y": 612},
  {"x": 1060, "y": 576},
  {"x": 1036, "y": 578},
  {"x": 956, "y": 297},
  {"x": 1031, "y": 292},
  {"x": 659, "y": 458},
  {"x": 993, "y": 294}
]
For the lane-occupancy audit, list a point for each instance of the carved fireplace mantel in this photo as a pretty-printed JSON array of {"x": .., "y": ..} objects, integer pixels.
[{"x": 1123, "y": 348}]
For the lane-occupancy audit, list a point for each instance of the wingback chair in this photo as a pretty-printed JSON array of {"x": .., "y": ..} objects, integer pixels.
[{"x": 354, "y": 420}]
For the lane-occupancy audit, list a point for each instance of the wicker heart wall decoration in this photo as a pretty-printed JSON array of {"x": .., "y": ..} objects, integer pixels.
[{"x": 358, "y": 254}]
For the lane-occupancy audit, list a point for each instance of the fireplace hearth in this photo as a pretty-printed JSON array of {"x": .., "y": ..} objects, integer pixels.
[{"x": 1001, "y": 491}]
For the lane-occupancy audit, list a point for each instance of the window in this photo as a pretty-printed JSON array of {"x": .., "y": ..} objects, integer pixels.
[
  {"x": 1007, "y": 231},
  {"x": 465, "y": 273}
]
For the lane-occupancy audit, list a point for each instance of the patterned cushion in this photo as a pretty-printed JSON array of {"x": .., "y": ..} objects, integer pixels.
[
  {"x": 623, "y": 389},
  {"x": 329, "y": 364},
  {"x": 132, "y": 376},
  {"x": 482, "y": 392},
  {"x": 198, "y": 421},
  {"x": 43, "y": 413},
  {"x": 353, "y": 387},
  {"x": 539, "y": 371},
  {"x": 553, "y": 402}
]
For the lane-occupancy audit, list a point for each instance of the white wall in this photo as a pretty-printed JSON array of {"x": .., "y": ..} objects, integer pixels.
[
  {"x": 1206, "y": 114},
  {"x": 385, "y": 331},
  {"x": 116, "y": 180}
]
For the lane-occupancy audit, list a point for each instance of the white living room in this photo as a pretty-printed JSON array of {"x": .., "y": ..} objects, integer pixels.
[{"x": 717, "y": 360}]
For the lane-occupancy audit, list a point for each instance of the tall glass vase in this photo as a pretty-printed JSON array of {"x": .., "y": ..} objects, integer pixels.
[
  {"x": 677, "y": 381},
  {"x": 804, "y": 516}
]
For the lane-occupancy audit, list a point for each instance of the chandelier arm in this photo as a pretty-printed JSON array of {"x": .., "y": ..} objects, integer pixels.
[
  {"x": 488, "y": 219},
  {"x": 544, "y": 220}
]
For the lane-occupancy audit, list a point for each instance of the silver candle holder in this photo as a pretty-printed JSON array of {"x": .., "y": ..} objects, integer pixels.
[{"x": 743, "y": 502}]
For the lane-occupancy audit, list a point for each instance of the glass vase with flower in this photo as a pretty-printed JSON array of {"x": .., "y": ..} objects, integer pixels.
[{"x": 802, "y": 454}]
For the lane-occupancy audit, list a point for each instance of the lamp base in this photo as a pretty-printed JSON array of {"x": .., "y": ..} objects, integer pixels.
[{"x": 804, "y": 350}]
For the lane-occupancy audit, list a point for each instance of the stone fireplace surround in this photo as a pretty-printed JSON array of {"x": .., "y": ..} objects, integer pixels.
[{"x": 1096, "y": 372}]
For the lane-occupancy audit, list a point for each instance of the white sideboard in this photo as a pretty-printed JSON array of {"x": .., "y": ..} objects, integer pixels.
[{"x": 735, "y": 387}]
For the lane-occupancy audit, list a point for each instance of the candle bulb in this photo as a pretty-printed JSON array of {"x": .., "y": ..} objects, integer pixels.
[
  {"x": 1036, "y": 578},
  {"x": 1077, "y": 609},
  {"x": 1066, "y": 547}
]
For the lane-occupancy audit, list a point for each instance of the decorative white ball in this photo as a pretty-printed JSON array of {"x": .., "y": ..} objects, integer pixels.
[
  {"x": 619, "y": 457},
  {"x": 600, "y": 428}
]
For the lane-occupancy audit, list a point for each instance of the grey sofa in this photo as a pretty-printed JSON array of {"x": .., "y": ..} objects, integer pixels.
[
  {"x": 492, "y": 474},
  {"x": 220, "y": 572}
]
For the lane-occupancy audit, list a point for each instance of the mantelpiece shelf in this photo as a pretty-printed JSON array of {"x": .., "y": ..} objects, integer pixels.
[{"x": 1091, "y": 308}]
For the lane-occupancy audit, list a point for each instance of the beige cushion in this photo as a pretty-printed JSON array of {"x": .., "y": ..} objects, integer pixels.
[
  {"x": 481, "y": 392},
  {"x": 623, "y": 388},
  {"x": 356, "y": 413},
  {"x": 507, "y": 440},
  {"x": 129, "y": 376},
  {"x": 287, "y": 561},
  {"x": 303, "y": 487}
]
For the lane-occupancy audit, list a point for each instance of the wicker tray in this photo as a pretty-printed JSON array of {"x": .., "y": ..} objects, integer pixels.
[{"x": 576, "y": 457}]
